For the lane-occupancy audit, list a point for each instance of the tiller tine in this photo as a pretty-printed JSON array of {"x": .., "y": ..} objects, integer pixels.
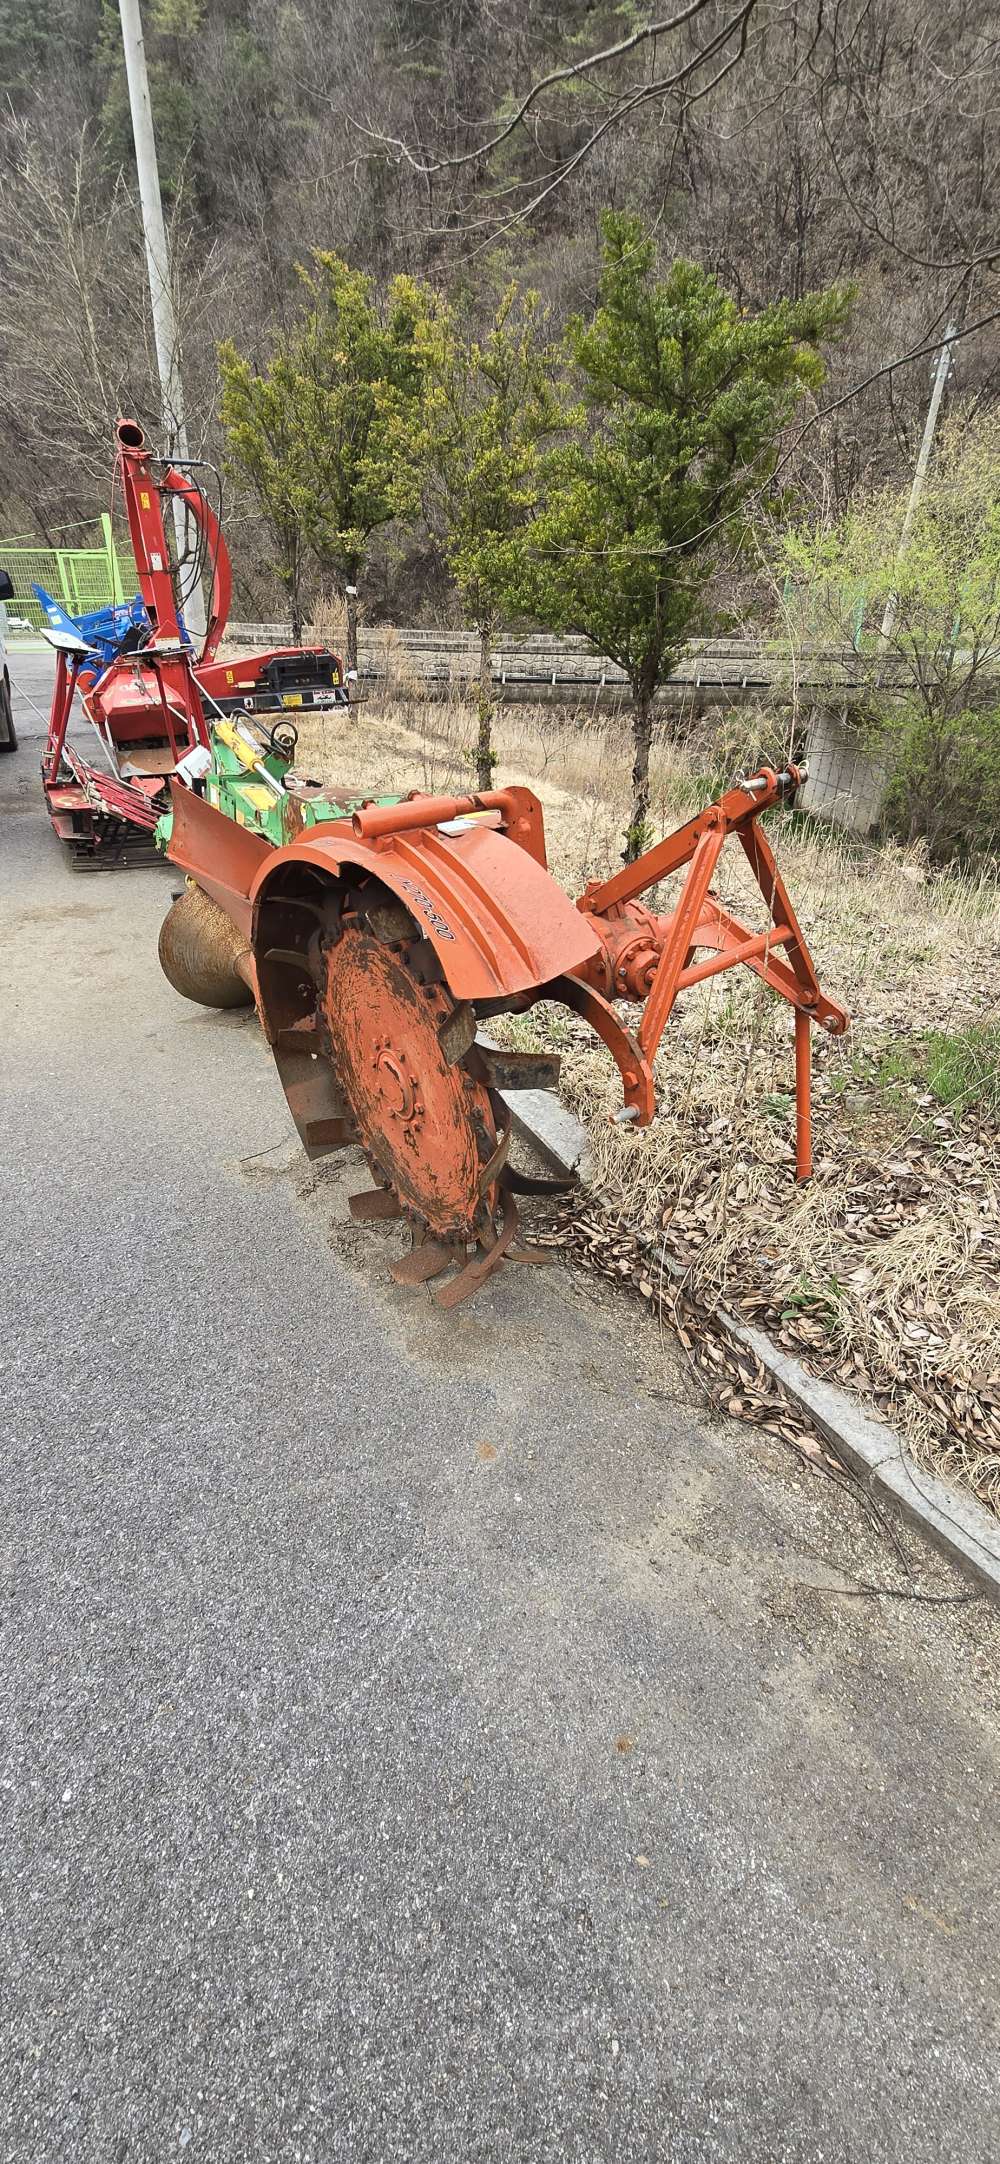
[
  {"x": 427, "y": 1258},
  {"x": 540, "y": 1257},
  {"x": 523, "y": 1183},
  {"x": 520, "y": 1070},
  {"x": 457, "y": 1033},
  {"x": 482, "y": 1264},
  {"x": 374, "y": 1203}
]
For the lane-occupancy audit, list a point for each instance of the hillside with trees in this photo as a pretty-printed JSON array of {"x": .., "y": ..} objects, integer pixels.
[{"x": 782, "y": 149}]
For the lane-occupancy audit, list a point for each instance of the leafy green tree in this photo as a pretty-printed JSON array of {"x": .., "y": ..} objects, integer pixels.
[
  {"x": 686, "y": 396},
  {"x": 488, "y": 409},
  {"x": 927, "y": 690},
  {"x": 320, "y": 436},
  {"x": 264, "y": 451},
  {"x": 356, "y": 373}
]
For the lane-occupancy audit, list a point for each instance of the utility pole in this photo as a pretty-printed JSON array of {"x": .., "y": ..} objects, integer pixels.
[
  {"x": 941, "y": 373},
  {"x": 158, "y": 266}
]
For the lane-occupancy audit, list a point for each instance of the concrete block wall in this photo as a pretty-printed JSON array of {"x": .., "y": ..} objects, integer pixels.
[{"x": 847, "y": 781}]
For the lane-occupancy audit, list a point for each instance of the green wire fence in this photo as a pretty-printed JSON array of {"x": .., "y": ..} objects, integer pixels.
[{"x": 81, "y": 578}]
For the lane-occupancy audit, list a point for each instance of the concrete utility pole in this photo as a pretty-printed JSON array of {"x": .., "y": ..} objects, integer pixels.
[
  {"x": 158, "y": 266},
  {"x": 923, "y": 461}
]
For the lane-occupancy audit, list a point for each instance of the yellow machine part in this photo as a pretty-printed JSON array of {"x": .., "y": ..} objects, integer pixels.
[{"x": 247, "y": 753}]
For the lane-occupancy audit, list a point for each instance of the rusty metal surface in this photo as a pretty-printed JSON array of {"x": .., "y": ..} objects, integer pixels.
[
  {"x": 482, "y": 1265},
  {"x": 427, "y": 1258},
  {"x": 224, "y": 858},
  {"x": 511, "y": 1070},
  {"x": 203, "y": 954},
  {"x": 380, "y": 938},
  {"x": 425, "y": 1121},
  {"x": 375, "y": 1206},
  {"x": 425, "y": 1113},
  {"x": 497, "y": 920}
]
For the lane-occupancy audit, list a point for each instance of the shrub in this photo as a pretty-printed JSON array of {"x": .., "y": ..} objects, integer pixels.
[
  {"x": 944, "y": 781},
  {"x": 917, "y": 591}
]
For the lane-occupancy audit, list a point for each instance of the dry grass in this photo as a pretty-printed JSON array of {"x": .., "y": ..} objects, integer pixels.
[{"x": 883, "y": 1271}]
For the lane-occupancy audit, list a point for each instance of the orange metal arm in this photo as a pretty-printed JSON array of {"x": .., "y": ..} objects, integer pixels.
[
  {"x": 652, "y": 958},
  {"x": 680, "y": 938},
  {"x": 730, "y": 813},
  {"x": 638, "y": 1086},
  {"x": 761, "y": 859},
  {"x": 181, "y": 484},
  {"x": 520, "y": 812},
  {"x": 376, "y": 821}
]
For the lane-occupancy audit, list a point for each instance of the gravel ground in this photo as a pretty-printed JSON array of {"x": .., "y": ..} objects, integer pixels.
[{"x": 425, "y": 1737}]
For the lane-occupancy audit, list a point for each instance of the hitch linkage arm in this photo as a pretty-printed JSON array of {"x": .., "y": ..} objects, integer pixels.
[{"x": 650, "y": 958}]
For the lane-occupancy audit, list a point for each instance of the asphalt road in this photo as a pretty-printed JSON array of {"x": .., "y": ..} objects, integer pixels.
[{"x": 425, "y": 1738}]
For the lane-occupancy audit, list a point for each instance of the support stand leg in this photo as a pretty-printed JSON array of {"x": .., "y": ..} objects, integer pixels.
[{"x": 803, "y": 1096}]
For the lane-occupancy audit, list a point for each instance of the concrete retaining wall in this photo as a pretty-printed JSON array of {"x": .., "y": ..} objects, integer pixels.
[{"x": 847, "y": 783}]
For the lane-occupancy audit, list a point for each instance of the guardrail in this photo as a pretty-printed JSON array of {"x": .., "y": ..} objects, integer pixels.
[{"x": 540, "y": 666}]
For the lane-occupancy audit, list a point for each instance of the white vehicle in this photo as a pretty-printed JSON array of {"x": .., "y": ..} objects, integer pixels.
[{"x": 8, "y": 733}]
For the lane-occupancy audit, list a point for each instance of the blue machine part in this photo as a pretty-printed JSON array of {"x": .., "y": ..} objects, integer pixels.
[{"x": 104, "y": 630}]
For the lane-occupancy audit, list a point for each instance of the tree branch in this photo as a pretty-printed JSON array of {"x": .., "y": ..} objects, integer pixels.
[{"x": 600, "y": 59}]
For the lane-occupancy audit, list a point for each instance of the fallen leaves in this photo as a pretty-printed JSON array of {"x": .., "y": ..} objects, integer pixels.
[
  {"x": 733, "y": 1379},
  {"x": 880, "y": 1276}
]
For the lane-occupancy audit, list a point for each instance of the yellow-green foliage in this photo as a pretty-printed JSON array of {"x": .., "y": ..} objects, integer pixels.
[
  {"x": 490, "y": 406},
  {"x": 931, "y": 685},
  {"x": 685, "y": 396},
  {"x": 317, "y": 435}
]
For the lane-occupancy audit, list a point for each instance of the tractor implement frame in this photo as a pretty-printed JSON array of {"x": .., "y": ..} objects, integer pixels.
[
  {"x": 654, "y": 955},
  {"x": 651, "y": 957},
  {"x": 380, "y": 934}
]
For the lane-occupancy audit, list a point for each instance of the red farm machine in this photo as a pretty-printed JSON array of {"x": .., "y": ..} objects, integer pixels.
[{"x": 152, "y": 705}]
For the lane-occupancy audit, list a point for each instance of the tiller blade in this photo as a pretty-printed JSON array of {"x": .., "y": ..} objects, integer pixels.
[{"x": 435, "y": 1134}]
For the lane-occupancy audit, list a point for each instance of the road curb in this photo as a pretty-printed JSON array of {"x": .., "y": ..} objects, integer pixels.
[
  {"x": 962, "y": 1528},
  {"x": 554, "y": 1134},
  {"x": 957, "y": 1524}
]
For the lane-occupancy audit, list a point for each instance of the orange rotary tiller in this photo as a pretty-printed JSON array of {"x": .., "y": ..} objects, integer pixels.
[{"x": 383, "y": 934}]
